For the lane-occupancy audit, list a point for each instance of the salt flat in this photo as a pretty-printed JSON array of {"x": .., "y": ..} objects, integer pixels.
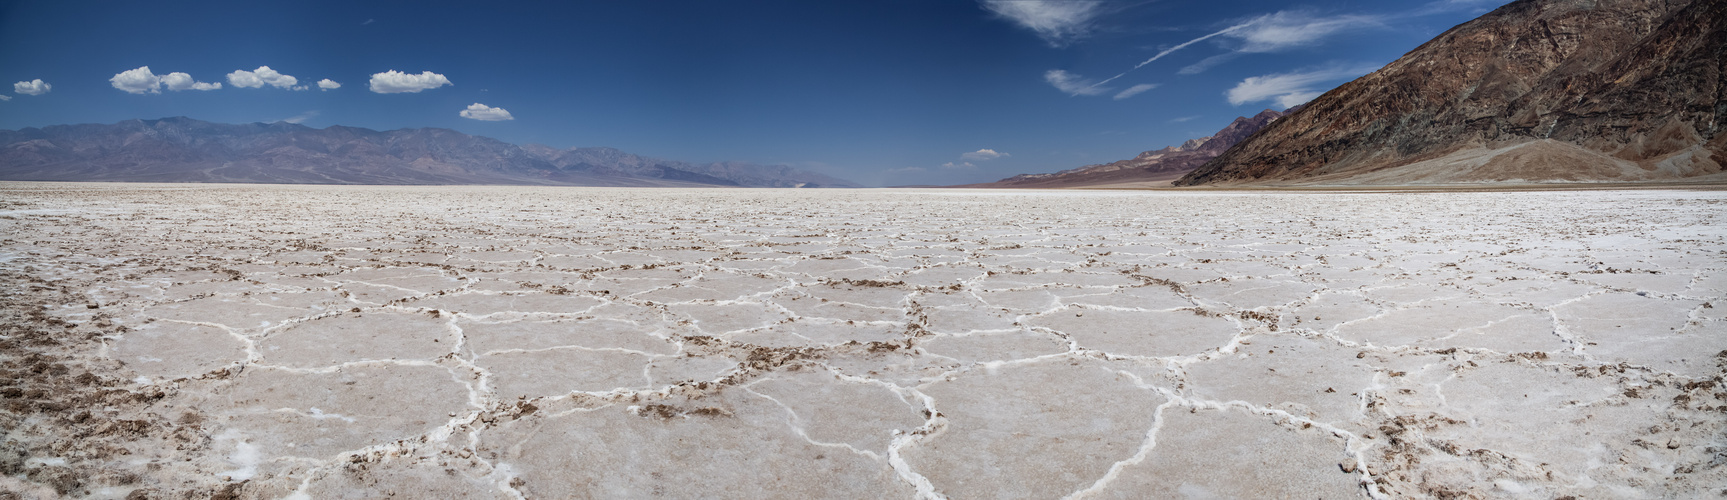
[{"x": 358, "y": 342}]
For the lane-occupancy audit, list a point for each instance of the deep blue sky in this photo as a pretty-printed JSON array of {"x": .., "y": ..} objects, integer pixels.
[{"x": 878, "y": 91}]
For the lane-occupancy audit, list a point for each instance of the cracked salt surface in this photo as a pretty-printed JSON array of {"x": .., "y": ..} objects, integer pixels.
[{"x": 355, "y": 342}]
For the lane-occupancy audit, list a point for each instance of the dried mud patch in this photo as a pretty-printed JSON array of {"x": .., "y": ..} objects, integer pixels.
[{"x": 72, "y": 425}]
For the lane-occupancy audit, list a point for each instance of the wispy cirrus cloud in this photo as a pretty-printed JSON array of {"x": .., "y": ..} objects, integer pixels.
[
  {"x": 1290, "y": 30},
  {"x": 1208, "y": 63},
  {"x": 302, "y": 117},
  {"x": 1293, "y": 29},
  {"x": 1057, "y": 22},
  {"x": 1285, "y": 30},
  {"x": 1165, "y": 52},
  {"x": 1275, "y": 32},
  {"x": 1134, "y": 90},
  {"x": 1290, "y": 89},
  {"x": 1073, "y": 84}
]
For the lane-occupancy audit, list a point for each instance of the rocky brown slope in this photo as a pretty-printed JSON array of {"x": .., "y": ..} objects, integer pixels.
[
  {"x": 1156, "y": 165},
  {"x": 1537, "y": 90},
  {"x": 186, "y": 150}
]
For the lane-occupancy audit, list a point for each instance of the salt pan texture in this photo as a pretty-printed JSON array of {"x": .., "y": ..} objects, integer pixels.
[{"x": 357, "y": 342}]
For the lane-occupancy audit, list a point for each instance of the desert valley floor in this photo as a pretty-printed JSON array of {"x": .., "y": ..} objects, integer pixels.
[{"x": 231, "y": 341}]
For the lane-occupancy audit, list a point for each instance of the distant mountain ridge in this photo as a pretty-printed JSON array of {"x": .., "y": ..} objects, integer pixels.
[
  {"x": 1536, "y": 90},
  {"x": 1164, "y": 164},
  {"x": 182, "y": 149},
  {"x": 614, "y": 162}
]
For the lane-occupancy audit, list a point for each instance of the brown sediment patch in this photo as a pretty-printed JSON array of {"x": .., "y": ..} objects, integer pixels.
[{"x": 68, "y": 422}]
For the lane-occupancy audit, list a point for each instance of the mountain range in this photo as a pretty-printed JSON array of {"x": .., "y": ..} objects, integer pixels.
[
  {"x": 1534, "y": 91},
  {"x": 182, "y": 149},
  {"x": 1150, "y": 167}
]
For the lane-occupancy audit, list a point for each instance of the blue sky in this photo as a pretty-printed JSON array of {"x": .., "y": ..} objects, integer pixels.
[{"x": 883, "y": 92}]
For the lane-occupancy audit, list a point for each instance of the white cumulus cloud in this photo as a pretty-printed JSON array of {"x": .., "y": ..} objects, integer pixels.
[
  {"x": 32, "y": 87},
  {"x": 182, "y": 81},
  {"x": 393, "y": 82},
  {"x": 261, "y": 77},
  {"x": 486, "y": 113},
  {"x": 4, "y": 98},
  {"x": 245, "y": 79},
  {"x": 1134, "y": 90},
  {"x": 1290, "y": 89},
  {"x": 328, "y": 84},
  {"x": 950, "y": 164},
  {"x": 1058, "y": 22},
  {"x": 983, "y": 154},
  {"x": 141, "y": 81},
  {"x": 1072, "y": 84},
  {"x": 137, "y": 81}
]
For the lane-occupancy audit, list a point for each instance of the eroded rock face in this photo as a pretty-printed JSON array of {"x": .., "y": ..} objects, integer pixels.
[
  {"x": 341, "y": 342},
  {"x": 1537, "y": 90}
]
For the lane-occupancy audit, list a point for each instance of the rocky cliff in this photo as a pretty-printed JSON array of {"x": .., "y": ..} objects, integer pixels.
[{"x": 1537, "y": 90}]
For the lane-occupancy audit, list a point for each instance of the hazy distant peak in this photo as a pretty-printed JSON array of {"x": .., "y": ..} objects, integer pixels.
[
  {"x": 1155, "y": 165},
  {"x": 181, "y": 149}
]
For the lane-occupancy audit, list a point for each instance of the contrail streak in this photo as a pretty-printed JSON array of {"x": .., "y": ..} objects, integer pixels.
[{"x": 1169, "y": 50}]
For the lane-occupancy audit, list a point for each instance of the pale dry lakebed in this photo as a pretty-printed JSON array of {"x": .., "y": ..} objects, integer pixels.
[{"x": 233, "y": 341}]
